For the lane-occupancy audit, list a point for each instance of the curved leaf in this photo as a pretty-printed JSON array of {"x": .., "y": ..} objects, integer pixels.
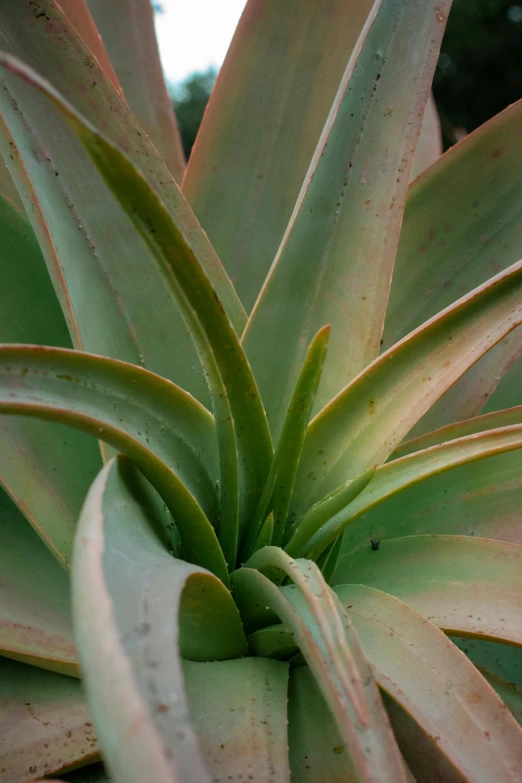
[
  {"x": 74, "y": 214},
  {"x": 331, "y": 649},
  {"x": 365, "y": 422},
  {"x": 434, "y": 682},
  {"x": 482, "y": 498},
  {"x": 489, "y": 421},
  {"x": 45, "y": 727},
  {"x": 501, "y": 660},
  {"x": 469, "y": 586},
  {"x": 441, "y": 257},
  {"x": 396, "y": 476},
  {"x": 45, "y": 468},
  {"x": 277, "y": 493},
  {"x": 262, "y": 124},
  {"x": 335, "y": 262},
  {"x": 35, "y": 619},
  {"x": 223, "y": 360},
  {"x": 162, "y": 428},
  {"x": 239, "y": 710},
  {"x": 127, "y": 30},
  {"x": 127, "y": 593}
]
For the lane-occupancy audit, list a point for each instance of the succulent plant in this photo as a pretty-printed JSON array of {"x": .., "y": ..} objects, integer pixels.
[{"x": 265, "y": 421}]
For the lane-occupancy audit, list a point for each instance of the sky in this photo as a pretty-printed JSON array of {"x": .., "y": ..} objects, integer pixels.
[{"x": 195, "y": 34}]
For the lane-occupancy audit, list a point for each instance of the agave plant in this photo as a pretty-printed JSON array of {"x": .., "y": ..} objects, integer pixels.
[{"x": 296, "y": 552}]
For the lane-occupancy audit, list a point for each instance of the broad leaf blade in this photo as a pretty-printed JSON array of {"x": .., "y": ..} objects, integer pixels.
[
  {"x": 368, "y": 419},
  {"x": 118, "y": 319},
  {"x": 262, "y": 125},
  {"x": 335, "y": 262},
  {"x": 397, "y": 476},
  {"x": 163, "y": 429},
  {"x": 462, "y": 584},
  {"x": 128, "y": 592},
  {"x": 127, "y": 30},
  {"x": 461, "y": 224},
  {"x": 239, "y": 710},
  {"x": 45, "y": 726},
  {"x": 35, "y": 619},
  {"x": 45, "y": 468},
  {"x": 434, "y": 682}
]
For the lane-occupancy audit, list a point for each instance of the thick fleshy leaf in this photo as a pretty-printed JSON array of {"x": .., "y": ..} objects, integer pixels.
[
  {"x": 416, "y": 664},
  {"x": 145, "y": 608},
  {"x": 331, "y": 649},
  {"x": 501, "y": 660},
  {"x": 317, "y": 752},
  {"x": 35, "y": 619},
  {"x": 81, "y": 220},
  {"x": 266, "y": 113},
  {"x": 464, "y": 585},
  {"x": 429, "y": 146},
  {"x": 488, "y": 421},
  {"x": 400, "y": 474},
  {"x": 335, "y": 263},
  {"x": 279, "y": 486},
  {"x": 45, "y": 468},
  {"x": 127, "y": 30},
  {"x": 45, "y": 726},
  {"x": 481, "y": 498},
  {"x": 462, "y": 224},
  {"x": 239, "y": 711},
  {"x": 164, "y": 430},
  {"x": 364, "y": 423},
  {"x": 233, "y": 387}
]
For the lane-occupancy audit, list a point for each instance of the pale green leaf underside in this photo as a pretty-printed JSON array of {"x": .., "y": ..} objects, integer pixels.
[{"x": 128, "y": 590}]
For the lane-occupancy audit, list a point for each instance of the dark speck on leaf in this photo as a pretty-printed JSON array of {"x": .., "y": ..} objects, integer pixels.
[{"x": 375, "y": 545}]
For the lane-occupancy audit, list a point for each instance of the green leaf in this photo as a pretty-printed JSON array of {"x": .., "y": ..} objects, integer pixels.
[
  {"x": 131, "y": 313},
  {"x": 45, "y": 468},
  {"x": 46, "y": 727},
  {"x": 279, "y": 486},
  {"x": 127, "y": 30},
  {"x": 127, "y": 594},
  {"x": 394, "y": 477},
  {"x": 35, "y": 619},
  {"x": 317, "y": 751},
  {"x": 364, "y": 423},
  {"x": 429, "y": 146},
  {"x": 331, "y": 649},
  {"x": 239, "y": 710},
  {"x": 161, "y": 428},
  {"x": 336, "y": 259},
  {"x": 316, "y": 520},
  {"x": 421, "y": 669},
  {"x": 463, "y": 585},
  {"x": 501, "y": 660},
  {"x": 489, "y": 421},
  {"x": 268, "y": 108},
  {"x": 475, "y": 499},
  {"x": 462, "y": 224},
  {"x": 223, "y": 360}
]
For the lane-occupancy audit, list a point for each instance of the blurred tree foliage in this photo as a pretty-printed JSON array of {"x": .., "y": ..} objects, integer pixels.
[
  {"x": 479, "y": 71},
  {"x": 480, "y": 66},
  {"x": 190, "y": 99}
]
